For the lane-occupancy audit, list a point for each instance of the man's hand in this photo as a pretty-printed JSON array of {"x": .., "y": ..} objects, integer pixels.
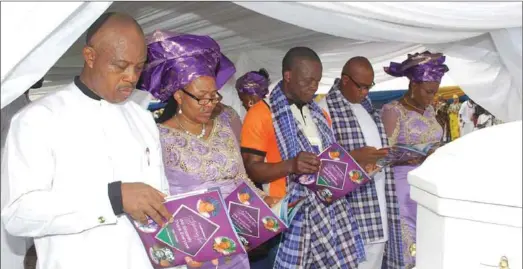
[
  {"x": 271, "y": 201},
  {"x": 305, "y": 163},
  {"x": 141, "y": 200},
  {"x": 368, "y": 155}
]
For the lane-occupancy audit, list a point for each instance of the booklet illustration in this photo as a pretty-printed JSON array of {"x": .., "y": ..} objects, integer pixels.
[
  {"x": 339, "y": 175},
  {"x": 254, "y": 221},
  {"x": 199, "y": 231}
]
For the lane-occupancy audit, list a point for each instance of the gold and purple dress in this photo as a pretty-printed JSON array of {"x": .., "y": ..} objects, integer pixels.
[
  {"x": 192, "y": 164},
  {"x": 410, "y": 128}
]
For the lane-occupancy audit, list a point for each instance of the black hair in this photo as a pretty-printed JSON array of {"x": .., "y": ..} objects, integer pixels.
[
  {"x": 168, "y": 111},
  {"x": 97, "y": 25},
  {"x": 298, "y": 52},
  {"x": 263, "y": 72}
]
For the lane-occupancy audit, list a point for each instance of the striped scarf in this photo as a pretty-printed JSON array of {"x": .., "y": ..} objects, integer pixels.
[
  {"x": 364, "y": 201},
  {"x": 319, "y": 236}
]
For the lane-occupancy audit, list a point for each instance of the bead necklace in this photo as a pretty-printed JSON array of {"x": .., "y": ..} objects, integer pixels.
[{"x": 200, "y": 136}]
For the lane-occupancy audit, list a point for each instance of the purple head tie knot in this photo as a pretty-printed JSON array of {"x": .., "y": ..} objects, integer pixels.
[
  {"x": 420, "y": 67},
  {"x": 252, "y": 83},
  {"x": 175, "y": 60}
]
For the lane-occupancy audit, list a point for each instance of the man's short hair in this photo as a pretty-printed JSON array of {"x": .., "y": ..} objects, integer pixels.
[
  {"x": 96, "y": 26},
  {"x": 298, "y": 52}
]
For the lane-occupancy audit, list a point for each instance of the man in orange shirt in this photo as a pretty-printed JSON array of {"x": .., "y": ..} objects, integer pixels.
[{"x": 281, "y": 139}]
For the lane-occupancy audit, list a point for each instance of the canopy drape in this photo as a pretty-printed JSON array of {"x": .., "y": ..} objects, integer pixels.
[{"x": 482, "y": 40}]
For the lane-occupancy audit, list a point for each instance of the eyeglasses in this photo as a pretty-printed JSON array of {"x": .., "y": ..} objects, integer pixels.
[
  {"x": 205, "y": 101},
  {"x": 359, "y": 86}
]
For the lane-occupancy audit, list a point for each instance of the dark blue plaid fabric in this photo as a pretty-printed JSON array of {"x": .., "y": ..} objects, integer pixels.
[
  {"x": 319, "y": 236},
  {"x": 364, "y": 201}
]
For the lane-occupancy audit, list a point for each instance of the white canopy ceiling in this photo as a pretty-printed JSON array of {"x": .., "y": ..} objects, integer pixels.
[{"x": 257, "y": 34}]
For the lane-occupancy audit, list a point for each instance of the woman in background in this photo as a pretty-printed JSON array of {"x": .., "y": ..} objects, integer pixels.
[
  {"x": 442, "y": 117},
  {"x": 253, "y": 87},
  {"x": 199, "y": 139},
  {"x": 453, "y": 111},
  {"x": 412, "y": 120}
]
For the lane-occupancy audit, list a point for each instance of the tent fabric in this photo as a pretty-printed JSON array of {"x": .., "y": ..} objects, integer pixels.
[
  {"x": 422, "y": 22},
  {"x": 476, "y": 31},
  {"x": 257, "y": 34},
  {"x": 35, "y": 35},
  {"x": 249, "y": 39}
]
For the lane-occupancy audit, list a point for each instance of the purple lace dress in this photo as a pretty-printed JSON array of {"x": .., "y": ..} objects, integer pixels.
[
  {"x": 409, "y": 127},
  {"x": 192, "y": 164}
]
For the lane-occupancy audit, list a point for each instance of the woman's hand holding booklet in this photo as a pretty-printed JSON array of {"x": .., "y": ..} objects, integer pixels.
[{"x": 402, "y": 154}]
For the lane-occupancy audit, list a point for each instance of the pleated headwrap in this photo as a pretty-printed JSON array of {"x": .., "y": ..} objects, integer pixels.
[
  {"x": 253, "y": 83},
  {"x": 175, "y": 60},
  {"x": 420, "y": 67}
]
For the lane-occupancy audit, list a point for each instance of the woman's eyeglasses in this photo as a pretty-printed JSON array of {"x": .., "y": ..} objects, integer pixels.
[
  {"x": 359, "y": 86},
  {"x": 205, "y": 101}
]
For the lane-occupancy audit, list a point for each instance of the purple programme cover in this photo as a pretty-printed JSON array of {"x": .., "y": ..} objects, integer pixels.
[
  {"x": 254, "y": 221},
  {"x": 200, "y": 230},
  {"x": 339, "y": 175}
]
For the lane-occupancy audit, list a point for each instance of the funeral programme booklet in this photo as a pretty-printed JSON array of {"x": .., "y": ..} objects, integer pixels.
[
  {"x": 200, "y": 230},
  {"x": 254, "y": 221},
  {"x": 401, "y": 153},
  {"x": 339, "y": 175}
]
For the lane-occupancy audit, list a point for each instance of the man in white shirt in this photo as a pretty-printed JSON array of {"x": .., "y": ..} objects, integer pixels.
[
  {"x": 358, "y": 128},
  {"x": 466, "y": 111},
  {"x": 10, "y": 110},
  {"x": 77, "y": 160},
  {"x": 13, "y": 248}
]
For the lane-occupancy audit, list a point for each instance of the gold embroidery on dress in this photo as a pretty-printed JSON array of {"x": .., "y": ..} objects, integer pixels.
[
  {"x": 409, "y": 247},
  {"x": 412, "y": 250},
  {"x": 225, "y": 145},
  {"x": 409, "y": 131}
]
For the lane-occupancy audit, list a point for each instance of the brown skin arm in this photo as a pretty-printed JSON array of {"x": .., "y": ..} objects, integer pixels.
[{"x": 261, "y": 172}]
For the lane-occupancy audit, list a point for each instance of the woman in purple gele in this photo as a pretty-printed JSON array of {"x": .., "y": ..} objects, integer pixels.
[
  {"x": 253, "y": 87},
  {"x": 412, "y": 120},
  {"x": 199, "y": 137}
]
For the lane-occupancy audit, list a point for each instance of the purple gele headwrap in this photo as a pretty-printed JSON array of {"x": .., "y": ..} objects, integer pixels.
[
  {"x": 420, "y": 67},
  {"x": 252, "y": 83},
  {"x": 175, "y": 60}
]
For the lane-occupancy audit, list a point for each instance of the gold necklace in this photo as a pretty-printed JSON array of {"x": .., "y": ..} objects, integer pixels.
[{"x": 422, "y": 111}]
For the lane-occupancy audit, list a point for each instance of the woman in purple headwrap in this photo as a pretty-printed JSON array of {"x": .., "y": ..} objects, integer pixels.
[
  {"x": 253, "y": 87},
  {"x": 199, "y": 143},
  {"x": 412, "y": 120}
]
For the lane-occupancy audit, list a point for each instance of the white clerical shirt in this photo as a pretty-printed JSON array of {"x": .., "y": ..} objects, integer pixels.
[
  {"x": 13, "y": 249},
  {"x": 61, "y": 153}
]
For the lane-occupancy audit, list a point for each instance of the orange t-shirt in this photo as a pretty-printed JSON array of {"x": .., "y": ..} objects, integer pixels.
[{"x": 258, "y": 137}]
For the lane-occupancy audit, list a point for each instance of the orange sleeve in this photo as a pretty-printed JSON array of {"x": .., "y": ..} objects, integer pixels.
[
  {"x": 329, "y": 120},
  {"x": 254, "y": 130}
]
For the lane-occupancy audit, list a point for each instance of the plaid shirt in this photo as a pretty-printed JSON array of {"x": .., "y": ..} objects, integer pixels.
[
  {"x": 364, "y": 201},
  {"x": 319, "y": 236}
]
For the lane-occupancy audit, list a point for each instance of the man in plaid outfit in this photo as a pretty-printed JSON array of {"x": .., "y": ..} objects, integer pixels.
[
  {"x": 358, "y": 128},
  {"x": 281, "y": 138}
]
